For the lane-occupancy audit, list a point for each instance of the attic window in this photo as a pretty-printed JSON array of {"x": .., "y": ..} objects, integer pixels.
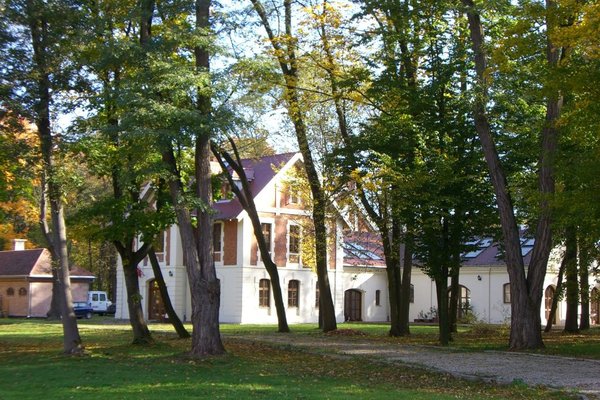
[
  {"x": 10, "y": 291},
  {"x": 22, "y": 292}
]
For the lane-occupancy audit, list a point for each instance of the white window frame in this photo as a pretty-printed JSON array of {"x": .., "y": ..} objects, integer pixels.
[
  {"x": 222, "y": 237},
  {"x": 289, "y": 239},
  {"x": 272, "y": 237}
]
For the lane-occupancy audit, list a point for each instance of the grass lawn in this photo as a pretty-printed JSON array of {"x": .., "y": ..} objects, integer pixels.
[{"x": 32, "y": 367}]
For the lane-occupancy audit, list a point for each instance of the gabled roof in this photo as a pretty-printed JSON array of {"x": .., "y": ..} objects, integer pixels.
[
  {"x": 25, "y": 262},
  {"x": 35, "y": 262},
  {"x": 260, "y": 172}
]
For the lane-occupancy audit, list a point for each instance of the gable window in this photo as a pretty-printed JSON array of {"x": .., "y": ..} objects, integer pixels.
[
  {"x": 294, "y": 244},
  {"x": 506, "y": 293},
  {"x": 22, "y": 292},
  {"x": 266, "y": 229},
  {"x": 10, "y": 291},
  {"x": 317, "y": 293},
  {"x": 378, "y": 297},
  {"x": 218, "y": 242},
  {"x": 293, "y": 289},
  {"x": 292, "y": 196},
  {"x": 264, "y": 293}
]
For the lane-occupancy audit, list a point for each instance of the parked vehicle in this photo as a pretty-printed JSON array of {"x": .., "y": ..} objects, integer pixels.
[
  {"x": 99, "y": 301},
  {"x": 82, "y": 310}
]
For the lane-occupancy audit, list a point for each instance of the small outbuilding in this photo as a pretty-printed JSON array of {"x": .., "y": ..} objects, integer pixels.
[{"x": 26, "y": 282}]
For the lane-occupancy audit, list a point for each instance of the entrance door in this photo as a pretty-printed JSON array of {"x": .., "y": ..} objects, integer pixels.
[
  {"x": 156, "y": 308},
  {"x": 352, "y": 305},
  {"x": 548, "y": 296}
]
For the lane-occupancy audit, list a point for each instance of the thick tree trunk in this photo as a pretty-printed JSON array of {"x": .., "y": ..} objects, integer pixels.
[
  {"x": 141, "y": 333},
  {"x": 526, "y": 290},
  {"x": 441, "y": 289},
  {"x": 454, "y": 294},
  {"x": 571, "y": 321},
  {"x": 166, "y": 299},
  {"x": 405, "y": 294}
]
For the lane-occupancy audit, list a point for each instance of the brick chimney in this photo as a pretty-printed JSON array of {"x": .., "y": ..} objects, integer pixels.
[{"x": 19, "y": 244}]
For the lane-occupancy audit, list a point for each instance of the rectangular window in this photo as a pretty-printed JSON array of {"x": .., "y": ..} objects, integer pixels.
[
  {"x": 317, "y": 294},
  {"x": 264, "y": 293},
  {"x": 378, "y": 297},
  {"x": 266, "y": 231},
  {"x": 292, "y": 196},
  {"x": 217, "y": 242},
  {"x": 293, "y": 289},
  {"x": 506, "y": 290},
  {"x": 294, "y": 244},
  {"x": 159, "y": 243}
]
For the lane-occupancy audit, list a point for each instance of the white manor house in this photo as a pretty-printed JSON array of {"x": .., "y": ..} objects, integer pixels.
[{"x": 356, "y": 266}]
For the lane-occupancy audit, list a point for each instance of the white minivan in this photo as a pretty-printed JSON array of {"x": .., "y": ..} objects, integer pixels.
[{"x": 99, "y": 301}]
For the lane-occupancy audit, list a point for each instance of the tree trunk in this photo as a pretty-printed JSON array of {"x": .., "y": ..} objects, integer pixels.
[
  {"x": 454, "y": 294},
  {"x": 557, "y": 296},
  {"x": 164, "y": 293},
  {"x": 441, "y": 289},
  {"x": 526, "y": 290},
  {"x": 286, "y": 56},
  {"x": 584, "y": 283},
  {"x": 245, "y": 198},
  {"x": 38, "y": 25},
  {"x": 571, "y": 322},
  {"x": 404, "y": 326},
  {"x": 141, "y": 333}
]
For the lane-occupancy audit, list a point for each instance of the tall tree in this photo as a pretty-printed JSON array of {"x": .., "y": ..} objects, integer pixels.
[
  {"x": 233, "y": 164},
  {"x": 284, "y": 46},
  {"x": 526, "y": 285},
  {"x": 46, "y": 31}
]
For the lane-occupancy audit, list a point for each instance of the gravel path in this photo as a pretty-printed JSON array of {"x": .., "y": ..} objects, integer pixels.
[{"x": 582, "y": 376}]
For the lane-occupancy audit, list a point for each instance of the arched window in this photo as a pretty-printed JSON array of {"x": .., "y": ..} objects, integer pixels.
[
  {"x": 264, "y": 293},
  {"x": 10, "y": 291},
  {"x": 464, "y": 301},
  {"x": 293, "y": 291},
  {"x": 22, "y": 292},
  {"x": 506, "y": 293},
  {"x": 378, "y": 297},
  {"x": 412, "y": 294}
]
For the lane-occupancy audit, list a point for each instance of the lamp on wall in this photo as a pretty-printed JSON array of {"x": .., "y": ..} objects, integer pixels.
[
  {"x": 171, "y": 274},
  {"x": 478, "y": 277}
]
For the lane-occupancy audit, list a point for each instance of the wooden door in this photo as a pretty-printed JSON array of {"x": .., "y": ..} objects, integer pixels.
[
  {"x": 156, "y": 308},
  {"x": 353, "y": 305},
  {"x": 548, "y": 296}
]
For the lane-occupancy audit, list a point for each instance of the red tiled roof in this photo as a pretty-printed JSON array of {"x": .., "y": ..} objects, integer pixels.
[{"x": 264, "y": 170}]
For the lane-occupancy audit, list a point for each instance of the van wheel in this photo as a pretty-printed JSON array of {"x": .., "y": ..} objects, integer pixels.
[{"x": 88, "y": 315}]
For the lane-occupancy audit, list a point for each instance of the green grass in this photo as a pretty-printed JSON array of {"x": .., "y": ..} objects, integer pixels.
[{"x": 32, "y": 367}]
